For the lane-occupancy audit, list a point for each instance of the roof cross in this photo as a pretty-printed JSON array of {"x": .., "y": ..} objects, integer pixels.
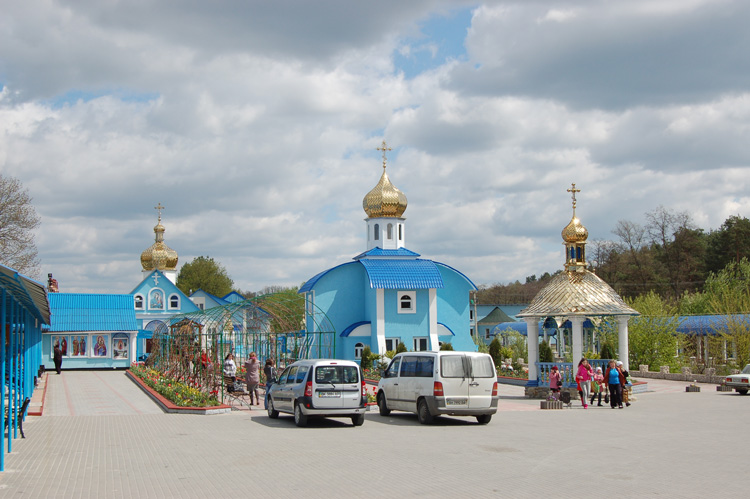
[
  {"x": 383, "y": 148},
  {"x": 159, "y": 207},
  {"x": 573, "y": 191}
]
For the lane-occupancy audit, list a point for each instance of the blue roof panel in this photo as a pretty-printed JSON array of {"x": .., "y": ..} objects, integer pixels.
[
  {"x": 402, "y": 274},
  {"x": 91, "y": 312},
  {"x": 376, "y": 252}
]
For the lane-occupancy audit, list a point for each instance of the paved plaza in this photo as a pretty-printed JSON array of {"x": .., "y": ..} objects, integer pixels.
[{"x": 100, "y": 436}]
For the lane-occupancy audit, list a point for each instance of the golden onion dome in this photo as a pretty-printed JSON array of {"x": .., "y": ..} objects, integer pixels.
[
  {"x": 384, "y": 200},
  {"x": 575, "y": 232},
  {"x": 159, "y": 256}
]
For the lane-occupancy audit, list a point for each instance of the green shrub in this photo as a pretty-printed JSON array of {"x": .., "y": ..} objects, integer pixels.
[
  {"x": 607, "y": 351},
  {"x": 366, "y": 361},
  {"x": 446, "y": 346},
  {"x": 496, "y": 351},
  {"x": 401, "y": 347},
  {"x": 545, "y": 352}
]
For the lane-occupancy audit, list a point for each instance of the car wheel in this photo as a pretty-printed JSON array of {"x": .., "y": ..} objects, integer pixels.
[
  {"x": 382, "y": 407},
  {"x": 358, "y": 420},
  {"x": 272, "y": 413},
  {"x": 423, "y": 412},
  {"x": 299, "y": 418},
  {"x": 484, "y": 418},
  {"x": 742, "y": 392}
]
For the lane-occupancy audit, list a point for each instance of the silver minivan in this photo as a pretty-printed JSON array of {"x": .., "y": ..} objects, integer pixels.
[
  {"x": 434, "y": 383},
  {"x": 319, "y": 387}
]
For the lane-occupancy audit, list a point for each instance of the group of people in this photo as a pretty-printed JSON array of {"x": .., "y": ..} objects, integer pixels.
[
  {"x": 612, "y": 382},
  {"x": 252, "y": 375}
]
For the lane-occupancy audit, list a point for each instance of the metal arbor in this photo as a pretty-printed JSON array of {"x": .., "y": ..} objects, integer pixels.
[{"x": 194, "y": 346}]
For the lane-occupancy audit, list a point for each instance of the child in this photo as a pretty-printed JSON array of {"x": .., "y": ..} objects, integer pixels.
[
  {"x": 596, "y": 386},
  {"x": 555, "y": 382}
]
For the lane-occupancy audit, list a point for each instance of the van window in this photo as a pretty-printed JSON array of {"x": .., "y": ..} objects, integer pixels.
[
  {"x": 482, "y": 367},
  {"x": 417, "y": 367},
  {"x": 292, "y": 374},
  {"x": 393, "y": 368},
  {"x": 301, "y": 373},
  {"x": 336, "y": 374},
  {"x": 452, "y": 366}
]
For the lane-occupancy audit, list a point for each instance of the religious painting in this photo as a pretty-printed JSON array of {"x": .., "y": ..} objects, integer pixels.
[
  {"x": 120, "y": 348},
  {"x": 78, "y": 343},
  {"x": 100, "y": 348},
  {"x": 61, "y": 342},
  {"x": 156, "y": 300}
]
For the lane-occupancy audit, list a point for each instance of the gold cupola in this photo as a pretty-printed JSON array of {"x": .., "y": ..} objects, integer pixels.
[
  {"x": 384, "y": 200},
  {"x": 574, "y": 237},
  {"x": 159, "y": 256}
]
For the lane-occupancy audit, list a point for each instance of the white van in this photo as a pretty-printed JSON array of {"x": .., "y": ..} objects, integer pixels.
[
  {"x": 434, "y": 383},
  {"x": 319, "y": 387}
]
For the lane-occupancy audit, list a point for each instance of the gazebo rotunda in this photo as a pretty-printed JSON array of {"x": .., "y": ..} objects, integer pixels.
[{"x": 575, "y": 294}]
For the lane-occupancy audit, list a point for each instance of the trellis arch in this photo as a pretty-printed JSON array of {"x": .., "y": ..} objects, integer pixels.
[{"x": 273, "y": 326}]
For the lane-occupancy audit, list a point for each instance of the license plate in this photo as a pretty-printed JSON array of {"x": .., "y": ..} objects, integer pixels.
[
  {"x": 455, "y": 402},
  {"x": 324, "y": 395}
]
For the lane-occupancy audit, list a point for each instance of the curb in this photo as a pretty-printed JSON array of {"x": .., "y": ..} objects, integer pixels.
[
  {"x": 44, "y": 397},
  {"x": 171, "y": 408}
]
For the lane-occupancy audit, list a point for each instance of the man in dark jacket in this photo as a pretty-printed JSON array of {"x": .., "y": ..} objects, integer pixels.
[{"x": 57, "y": 357}]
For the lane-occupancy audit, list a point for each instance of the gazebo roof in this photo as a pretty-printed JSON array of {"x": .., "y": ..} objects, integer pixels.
[{"x": 576, "y": 293}]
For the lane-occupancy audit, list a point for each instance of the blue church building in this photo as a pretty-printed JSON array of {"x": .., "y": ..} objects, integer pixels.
[{"x": 388, "y": 294}]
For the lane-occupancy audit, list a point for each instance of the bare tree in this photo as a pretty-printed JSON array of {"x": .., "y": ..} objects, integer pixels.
[
  {"x": 662, "y": 227},
  {"x": 18, "y": 219}
]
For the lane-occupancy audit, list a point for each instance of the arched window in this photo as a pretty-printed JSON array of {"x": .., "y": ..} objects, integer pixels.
[
  {"x": 174, "y": 301},
  {"x": 139, "y": 302},
  {"x": 400, "y": 232},
  {"x": 358, "y": 348},
  {"x": 405, "y": 302},
  {"x": 376, "y": 232},
  {"x": 390, "y": 231}
]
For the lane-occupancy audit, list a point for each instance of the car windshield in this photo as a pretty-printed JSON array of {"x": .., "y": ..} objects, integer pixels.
[{"x": 746, "y": 370}]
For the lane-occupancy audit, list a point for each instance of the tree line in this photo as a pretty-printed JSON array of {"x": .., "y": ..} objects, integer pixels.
[{"x": 668, "y": 255}]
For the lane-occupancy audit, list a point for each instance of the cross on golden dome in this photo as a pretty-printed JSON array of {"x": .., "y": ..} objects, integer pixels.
[
  {"x": 573, "y": 190},
  {"x": 159, "y": 207},
  {"x": 383, "y": 148}
]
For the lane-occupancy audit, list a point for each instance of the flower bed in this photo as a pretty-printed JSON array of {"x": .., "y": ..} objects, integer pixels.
[{"x": 176, "y": 392}]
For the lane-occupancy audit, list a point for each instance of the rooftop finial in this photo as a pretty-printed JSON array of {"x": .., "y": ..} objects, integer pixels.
[
  {"x": 159, "y": 207},
  {"x": 573, "y": 191},
  {"x": 383, "y": 148}
]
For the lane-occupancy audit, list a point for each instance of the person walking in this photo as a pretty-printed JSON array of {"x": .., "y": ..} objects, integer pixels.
[
  {"x": 597, "y": 386},
  {"x": 583, "y": 377},
  {"x": 57, "y": 358},
  {"x": 626, "y": 383},
  {"x": 270, "y": 373},
  {"x": 252, "y": 378},
  {"x": 615, "y": 385}
]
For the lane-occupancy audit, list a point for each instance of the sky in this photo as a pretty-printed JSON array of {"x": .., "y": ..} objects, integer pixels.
[{"x": 256, "y": 124}]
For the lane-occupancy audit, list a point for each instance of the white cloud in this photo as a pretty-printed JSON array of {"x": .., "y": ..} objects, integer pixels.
[{"x": 256, "y": 126}]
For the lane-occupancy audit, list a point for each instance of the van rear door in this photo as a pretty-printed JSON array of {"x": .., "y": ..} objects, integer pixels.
[
  {"x": 454, "y": 375},
  {"x": 336, "y": 387},
  {"x": 483, "y": 378}
]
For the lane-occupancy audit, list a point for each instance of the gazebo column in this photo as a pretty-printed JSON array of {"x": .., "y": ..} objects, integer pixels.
[
  {"x": 532, "y": 340},
  {"x": 577, "y": 322},
  {"x": 622, "y": 329}
]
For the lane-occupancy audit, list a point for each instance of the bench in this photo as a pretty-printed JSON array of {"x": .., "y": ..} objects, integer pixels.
[{"x": 21, "y": 414}]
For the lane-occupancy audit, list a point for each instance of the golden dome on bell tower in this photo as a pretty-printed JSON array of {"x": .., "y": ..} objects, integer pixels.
[
  {"x": 574, "y": 238},
  {"x": 159, "y": 256},
  {"x": 384, "y": 200}
]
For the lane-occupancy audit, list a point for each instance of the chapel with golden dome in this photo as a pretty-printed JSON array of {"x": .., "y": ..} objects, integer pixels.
[{"x": 388, "y": 294}]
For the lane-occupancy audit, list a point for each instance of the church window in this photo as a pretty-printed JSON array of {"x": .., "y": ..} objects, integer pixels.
[
  {"x": 376, "y": 232},
  {"x": 407, "y": 302},
  {"x": 174, "y": 301},
  {"x": 486, "y": 333},
  {"x": 390, "y": 231},
  {"x": 358, "y": 348},
  {"x": 420, "y": 344},
  {"x": 391, "y": 344},
  {"x": 400, "y": 232},
  {"x": 139, "y": 302}
]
